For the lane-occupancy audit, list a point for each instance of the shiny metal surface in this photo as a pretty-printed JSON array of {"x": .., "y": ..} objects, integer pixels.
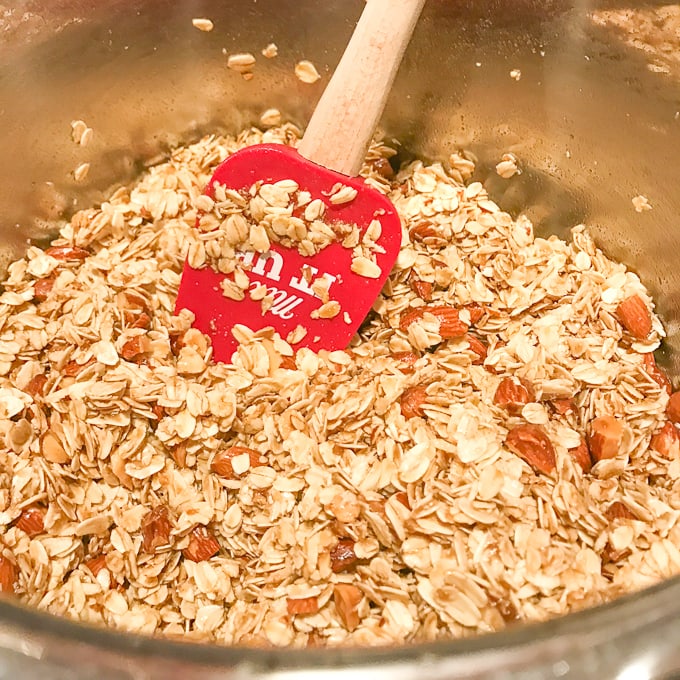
[{"x": 592, "y": 125}]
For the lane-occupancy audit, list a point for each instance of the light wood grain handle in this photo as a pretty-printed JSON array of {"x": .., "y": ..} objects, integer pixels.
[{"x": 348, "y": 112}]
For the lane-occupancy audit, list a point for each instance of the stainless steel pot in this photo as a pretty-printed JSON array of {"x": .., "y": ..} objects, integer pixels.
[{"x": 591, "y": 121}]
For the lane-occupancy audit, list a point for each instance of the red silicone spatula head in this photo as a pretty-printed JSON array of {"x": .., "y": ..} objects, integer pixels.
[
  {"x": 337, "y": 137},
  {"x": 282, "y": 269}
]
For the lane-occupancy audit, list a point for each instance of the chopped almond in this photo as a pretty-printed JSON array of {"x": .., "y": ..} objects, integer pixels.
[
  {"x": 581, "y": 455},
  {"x": 563, "y": 406},
  {"x": 655, "y": 373},
  {"x": 136, "y": 348},
  {"x": 450, "y": 325},
  {"x": 342, "y": 555},
  {"x": 513, "y": 393},
  {"x": 673, "y": 408},
  {"x": 618, "y": 510},
  {"x": 202, "y": 545},
  {"x": 73, "y": 368},
  {"x": 423, "y": 289},
  {"x": 347, "y": 599},
  {"x": 31, "y": 522},
  {"x": 412, "y": 401},
  {"x": 606, "y": 436},
  {"x": 8, "y": 575},
  {"x": 223, "y": 462},
  {"x": 532, "y": 444},
  {"x": 42, "y": 288},
  {"x": 666, "y": 442},
  {"x": 405, "y": 361},
  {"x": 302, "y": 605},
  {"x": 68, "y": 253},
  {"x": 36, "y": 385},
  {"x": 476, "y": 347},
  {"x": 156, "y": 527},
  {"x": 96, "y": 564}
]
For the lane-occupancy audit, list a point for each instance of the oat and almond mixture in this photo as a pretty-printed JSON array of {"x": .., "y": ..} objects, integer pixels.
[{"x": 480, "y": 455}]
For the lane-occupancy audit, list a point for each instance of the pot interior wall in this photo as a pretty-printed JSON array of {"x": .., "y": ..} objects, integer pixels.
[{"x": 592, "y": 125}]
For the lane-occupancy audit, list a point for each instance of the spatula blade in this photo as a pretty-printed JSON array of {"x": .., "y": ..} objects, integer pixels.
[{"x": 281, "y": 270}]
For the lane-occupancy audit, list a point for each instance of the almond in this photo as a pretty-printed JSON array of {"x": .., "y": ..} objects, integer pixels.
[
  {"x": 505, "y": 608},
  {"x": 655, "y": 373},
  {"x": 288, "y": 363},
  {"x": 73, "y": 368},
  {"x": 342, "y": 555},
  {"x": 52, "y": 449},
  {"x": 617, "y": 510},
  {"x": 383, "y": 168},
  {"x": 402, "y": 497},
  {"x": 412, "y": 401},
  {"x": 36, "y": 385},
  {"x": 606, "y": 435},
  {"x": 666, "y": 442},
  {"x": 302, "y": 605},
  {"x": 563, "y": 407},
  {"x": 68, "y": 253},
  {"x": 156, "y": 527},
  {"x": 581, "y": 455},
  {"x": 222, "y": 462},
  {"x": 31, "y": 522},
  {"x": 141, "y": 320},
  {"x": 532, "y": 444},
  {"x": 127, "y": 301},
  {"x": 179, "y": 454},
  {"x": 673, "y": 408},
  {"x": 423, "y": 289},
  {"x": 158, "y": 411},
  {"x": 478, "y": 348},
  {"x": 423, "y": 230},
  {"x": 96, "y": 564},
  {"x": 8, "y": 575},
  {"x": 202, "y": 545},
  {"x": 635, "y": 317},
  {"x": 347, "y": 599},
  {"x": 42, "y": 288},
  {"x": 450, "y": 325},
  {"x": 476, "y": 311},
  {"x": 135, "y": 348},
  {"x": 512, "y": 394},
  {"x": 405, "y": 361}
]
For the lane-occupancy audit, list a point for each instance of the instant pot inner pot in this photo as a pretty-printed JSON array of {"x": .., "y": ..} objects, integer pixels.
[{"x": 593, "y": 120}]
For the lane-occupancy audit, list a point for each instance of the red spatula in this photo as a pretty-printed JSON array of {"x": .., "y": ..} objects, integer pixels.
[{"x": 329, "y": 157}]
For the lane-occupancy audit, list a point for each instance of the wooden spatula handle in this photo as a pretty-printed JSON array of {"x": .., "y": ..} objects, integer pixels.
[{"x": 349, "y": 110}]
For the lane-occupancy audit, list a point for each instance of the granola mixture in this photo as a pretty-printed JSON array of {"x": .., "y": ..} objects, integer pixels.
[{"x": 497, "y": 445}]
